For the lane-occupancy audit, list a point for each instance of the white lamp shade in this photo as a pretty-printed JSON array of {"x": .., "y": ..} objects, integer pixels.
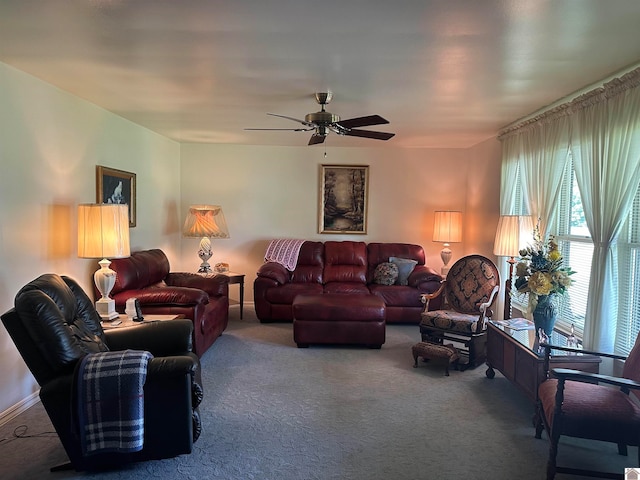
[
  {"x": 103, "y": 231},
  {"x": 205, "y": 221},
  {"x": 447, "y": 227}
]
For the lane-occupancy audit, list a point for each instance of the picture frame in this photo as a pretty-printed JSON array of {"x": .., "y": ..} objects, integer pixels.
[
  {"x": 117, "y": 186},
  {"x": 344, "y": 198}
]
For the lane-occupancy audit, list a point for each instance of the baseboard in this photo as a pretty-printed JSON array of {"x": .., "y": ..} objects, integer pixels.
[{"x": 20, "y": 407}]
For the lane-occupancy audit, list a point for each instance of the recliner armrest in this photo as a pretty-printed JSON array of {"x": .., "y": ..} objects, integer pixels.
[
  {"x": 216, "y": 285},
  {"x": 177, "y": 365},
  {"x": 169, "y": 337}
]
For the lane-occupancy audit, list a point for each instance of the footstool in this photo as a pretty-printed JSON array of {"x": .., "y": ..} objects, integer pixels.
[
  {"x": 332, "y": 318},
  {"x": 448, "y": 354}
]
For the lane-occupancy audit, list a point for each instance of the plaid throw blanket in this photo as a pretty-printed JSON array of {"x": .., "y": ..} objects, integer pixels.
[
  {"x": 284, "y": 251},
  {"x": 111, "y": 402}
]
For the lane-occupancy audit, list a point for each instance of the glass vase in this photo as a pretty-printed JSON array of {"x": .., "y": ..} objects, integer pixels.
[{"x": 544, "y": 315}]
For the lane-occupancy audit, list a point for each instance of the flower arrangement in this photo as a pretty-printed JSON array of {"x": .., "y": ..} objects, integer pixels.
[{"x": 540, "y": 272}]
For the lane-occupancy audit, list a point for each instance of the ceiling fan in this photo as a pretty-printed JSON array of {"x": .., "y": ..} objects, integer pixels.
[{"x": 322, "y": 122}]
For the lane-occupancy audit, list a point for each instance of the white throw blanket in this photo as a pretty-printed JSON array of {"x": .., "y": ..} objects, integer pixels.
[{"x": 284, "y": 251}]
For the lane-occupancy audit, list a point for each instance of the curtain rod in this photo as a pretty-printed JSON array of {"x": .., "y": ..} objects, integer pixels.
[{"x": 611, "y": 87}]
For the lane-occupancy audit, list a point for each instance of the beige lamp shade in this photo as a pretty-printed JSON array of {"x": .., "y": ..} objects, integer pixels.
[
  {"x": 205, "y": 221},
  {"x": 447, "y": 227},
  {"x": 103, "y": 232},
  {"x": 512, "y": 234},
  {"x": 507, "y": 240}
]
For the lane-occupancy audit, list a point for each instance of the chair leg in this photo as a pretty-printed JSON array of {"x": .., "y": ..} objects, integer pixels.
[
  {"x": 537, "y": 420},
  {"x": 553, "y": 454}
]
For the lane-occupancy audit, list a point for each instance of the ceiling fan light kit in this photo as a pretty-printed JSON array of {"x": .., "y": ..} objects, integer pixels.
[{"x": 323, "y": 122}]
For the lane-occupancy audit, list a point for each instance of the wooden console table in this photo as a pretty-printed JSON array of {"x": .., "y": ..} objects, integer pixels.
[{"x": 515, "y": 354}]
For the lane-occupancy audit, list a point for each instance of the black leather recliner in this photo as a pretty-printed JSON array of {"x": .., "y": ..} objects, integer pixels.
[{"x": 54, "y": 324}]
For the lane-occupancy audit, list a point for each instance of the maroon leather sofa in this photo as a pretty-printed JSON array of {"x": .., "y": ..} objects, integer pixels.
[
  {"x": 344, "y": 267},
  {"x": 204, "y": 300}
]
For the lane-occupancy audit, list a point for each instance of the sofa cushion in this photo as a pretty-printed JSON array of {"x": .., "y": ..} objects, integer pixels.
[
  {"x": 285, "y": 294},
  {"x": 405, "y": 267},
  {"x": 140, "y": 270},
  {"x": 345, "y": 262},
  {"x": 385, "y": 273},
  {"x": 380, "y": 252},
  {"x": 310, "y": 263},
  {"x": 351, "y": 288}
]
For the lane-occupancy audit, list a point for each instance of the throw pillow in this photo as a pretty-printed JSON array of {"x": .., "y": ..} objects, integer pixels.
[
  {"x": 405, "y": 267},
  {"x": 386, "y": 273}
]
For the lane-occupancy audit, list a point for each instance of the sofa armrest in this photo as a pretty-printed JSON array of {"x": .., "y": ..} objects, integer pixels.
[
  {"x": 214, "y": 285},
  {"x": 274, "y": 271},
  {"x": 423, "y": 274},
  {"x": 164, "y": 296},
  {"x": 169, "y": 337}
]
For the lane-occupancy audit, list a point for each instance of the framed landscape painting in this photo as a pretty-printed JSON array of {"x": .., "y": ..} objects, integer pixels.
[
  {"x": 343, "y": 198},
  {"x": 117, "y": 186}
]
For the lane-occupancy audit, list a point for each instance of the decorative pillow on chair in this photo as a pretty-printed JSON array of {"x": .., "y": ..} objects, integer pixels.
[
  {"x": 386, "y": 273},
  {"x": 405, "y": 267}
]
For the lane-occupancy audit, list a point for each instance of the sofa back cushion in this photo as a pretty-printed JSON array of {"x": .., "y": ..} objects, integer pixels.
[
  {"x": 378, "y": 253},
  {"x": 345, "y": 262},
  {"x": 140, "y": 270},
  {"x": 310, "y": 263}
]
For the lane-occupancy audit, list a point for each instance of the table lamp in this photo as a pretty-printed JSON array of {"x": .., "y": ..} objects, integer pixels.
[
  {"x": 205, "y": 222},
  {"x": 447, "y": 228},
  {"x": 103, "y": 232}
]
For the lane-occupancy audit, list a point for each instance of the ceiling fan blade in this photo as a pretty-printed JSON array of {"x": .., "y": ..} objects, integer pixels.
[
  {"x": 291, "y": 118},
  {"x": 369, "y": 134},
  {"x": 284, "y": 129},
  {"x": 316, "y": 139},
  {"x": 363, "y": 121}
]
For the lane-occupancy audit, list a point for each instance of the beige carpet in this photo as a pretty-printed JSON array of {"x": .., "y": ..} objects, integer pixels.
[{"x": 273, "y": 411}]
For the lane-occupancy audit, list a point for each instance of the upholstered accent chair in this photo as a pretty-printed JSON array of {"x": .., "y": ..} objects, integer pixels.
[
  {"x": 55, "y": 325},
  {"x": 591, "y": 406},
  {"x": 467, "y": 293}
]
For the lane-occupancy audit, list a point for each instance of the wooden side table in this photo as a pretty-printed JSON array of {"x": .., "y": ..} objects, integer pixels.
[
  {"x": 234, "y": 278},
  {"x": 125, "y": 321},
  {"x": 514, "y": 353},
  {"x": 237, "y": 278}
]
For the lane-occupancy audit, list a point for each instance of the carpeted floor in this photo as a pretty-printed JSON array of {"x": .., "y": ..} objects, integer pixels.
[{"x": 273, "y": 411}]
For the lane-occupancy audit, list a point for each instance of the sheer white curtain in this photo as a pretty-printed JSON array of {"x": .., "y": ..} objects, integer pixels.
[
  {"x": 545, "y": 148},
  {"x": 606, "y": 155},
  {"x": 511, "y": 149}
]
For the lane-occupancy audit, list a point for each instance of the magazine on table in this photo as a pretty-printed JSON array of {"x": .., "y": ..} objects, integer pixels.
[{"x": 517, "y": 324}]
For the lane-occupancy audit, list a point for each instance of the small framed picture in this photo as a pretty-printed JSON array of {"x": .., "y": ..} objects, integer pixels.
[
  {"x": 343, "y": 198},
  {"x": 117, "y": 186}
]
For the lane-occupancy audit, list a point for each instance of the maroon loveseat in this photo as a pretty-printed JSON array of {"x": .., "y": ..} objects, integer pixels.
[
  {"x": 204, "y": 300},
  {"x": 345, "y": 267}
]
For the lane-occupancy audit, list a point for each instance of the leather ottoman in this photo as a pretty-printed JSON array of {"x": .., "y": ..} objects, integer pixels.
[{"x": 334, "y": 318}]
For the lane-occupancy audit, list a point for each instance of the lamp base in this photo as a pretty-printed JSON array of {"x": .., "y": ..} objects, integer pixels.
[
  {"x": 205, "y": 268},
  {"x": 205, "y": 254},
  {"x": 106, "y": 308},
  {"x": 445, "y": 255}
]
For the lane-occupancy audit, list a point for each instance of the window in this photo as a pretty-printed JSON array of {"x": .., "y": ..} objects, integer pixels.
[
  {"x": 628, "y": 267},
  {"x": 576, "y": 246},
  {"x": 575, "y": 243}
]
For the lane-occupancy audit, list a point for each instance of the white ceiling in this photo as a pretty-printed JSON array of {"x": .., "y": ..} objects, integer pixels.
[{"x": 445, "y": 73}]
